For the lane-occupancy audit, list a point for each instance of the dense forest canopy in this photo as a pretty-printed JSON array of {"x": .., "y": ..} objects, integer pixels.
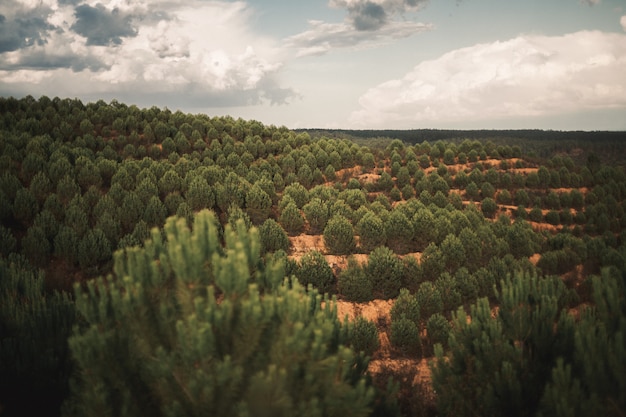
[
  {"x": 164, "y": 263},
  {"x": 543, "y": 143}
]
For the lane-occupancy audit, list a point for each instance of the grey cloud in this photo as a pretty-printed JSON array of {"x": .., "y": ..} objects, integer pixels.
[
  {"x": 102, "y": 27},
  {"x": 368, "y": 23},
  {"x": 41, "y": 60},
  {"x": 368, "y": 16},
  {"x": 23, "y": 30}
]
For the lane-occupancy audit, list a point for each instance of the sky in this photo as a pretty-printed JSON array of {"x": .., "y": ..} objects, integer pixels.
[{"x": 350, "y": 64}]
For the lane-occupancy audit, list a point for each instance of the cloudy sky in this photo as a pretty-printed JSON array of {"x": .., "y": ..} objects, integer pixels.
[{"x": 392, "y": 64}]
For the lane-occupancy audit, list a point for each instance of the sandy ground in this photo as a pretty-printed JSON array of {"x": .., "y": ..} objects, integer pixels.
[{"x": 386, "y": 361}]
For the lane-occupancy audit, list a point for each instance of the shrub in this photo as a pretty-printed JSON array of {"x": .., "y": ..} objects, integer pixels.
[
  {"x": 504, "y": 197},
  {"x": 273, "y": 237},
  {"x": 291, "y": 219},
  {"x": 258, "y": 204},
  {"x": 235, "y": 214},
  {"x": 395, "y": 194},
  {"x": 354, "y": 284},
  {"x": 371, "y": 231},
  {"x": 405, "y": 336},
  {"x": 429, "y": 299},
  {"x": 339, "y": 236},
  {"x": 299, "y": 194},
  {"x": 412, "y": 274},
  {"x": 354, "y": 198},
  {"x": 385, "y": 270},
  {"x": 36, "y": 247},
  {"x": 316, "y": 212},
  {"x": 93, "y": 249},
  {"x": 552, "y": 217},
  {"x": 447, "y": 286},
  {"x": 489, "y": 207},
  {"x": 472, "y": 192},
  {"x": 406, "y": 306},
  {"x": 25, "y": 206},
  {"x": 399, "y": 231},
  {"x": 466, "y": 285},
  {"x": 314, "y": 270},
  {"x": 438, "y": 328},
  {"x": 535, "y": 214},
  {"x": 364, "y": 336}
]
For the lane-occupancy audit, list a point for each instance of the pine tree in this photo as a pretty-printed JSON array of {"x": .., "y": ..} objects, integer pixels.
[
  {"x": 385, "y": 271},
  {"x": 364, "y": 336},
  {"x": 314, "y": 270},
  {"x": 34, "y": 326},
  {"x": 158, "y": 342},
  {"x": 399, "y": 232},
  {"x": 354, "y": 284},
  {"x": 199, "y": 195},
  {"x": 371, "y": 231},
  {"x": 593, "y": 383},
  {"x": 273, "y": 237},
  {"x": 339, "y": 235},
  {"x": 406, "y": 306},
  {"x": 291, "y": 219},
  {"x": 500, "y": 365},
  {"x": 258, "y": 204},
  {"x": 317, "y": 213}
]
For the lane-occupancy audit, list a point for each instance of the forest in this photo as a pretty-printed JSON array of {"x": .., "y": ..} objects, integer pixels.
[{"x": 170, "y": 264}]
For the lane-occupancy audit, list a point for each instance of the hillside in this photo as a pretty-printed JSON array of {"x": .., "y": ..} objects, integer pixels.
[{"x": 409, "y": 236}]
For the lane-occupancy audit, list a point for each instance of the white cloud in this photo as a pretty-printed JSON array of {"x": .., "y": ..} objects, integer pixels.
[
  {"x": 161, "y": 48},
  {"x": 528, "y": 76},
  {"x": 623, "y": 22},
  {"x": 322, "y": 37},
  {"x": 369, "y": 23}
]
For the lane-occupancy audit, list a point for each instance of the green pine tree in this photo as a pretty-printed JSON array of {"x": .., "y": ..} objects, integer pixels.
[
  {"x": 34, "y": 327},
  {"x": 194, "y": 327}
]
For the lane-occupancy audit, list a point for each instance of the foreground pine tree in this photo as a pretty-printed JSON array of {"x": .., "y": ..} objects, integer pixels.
[
  {"x": 531, "y": 358},
  {"x": 188, "y": 326},
  {"x": 499, "y": 365}
]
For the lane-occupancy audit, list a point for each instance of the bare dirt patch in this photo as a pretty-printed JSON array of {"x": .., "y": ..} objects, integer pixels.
[
  {"x": 535, "y": 258},
  {"x": 416, "y": 255},
  {"x": 368, "y": 178},
  {"x": 302, "y": 244},
  {"x": 583, "y": 190},
  {"x": 545, "y": 227},
  {"x": 523, "y": 170},
  {"x": 375, "y": 310},
  {"x": 340, "y": 262}
]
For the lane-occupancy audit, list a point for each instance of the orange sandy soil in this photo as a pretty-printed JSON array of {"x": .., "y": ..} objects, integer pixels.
[
  {"x": 487, "y": 163},
  {"x": 384, "y": 360},
  {"x": 303, "y": 243}
]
